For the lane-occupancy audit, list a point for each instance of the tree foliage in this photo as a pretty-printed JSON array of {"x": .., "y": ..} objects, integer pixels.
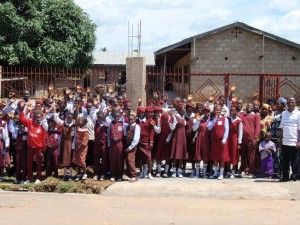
[{"x": 45, "y": 33}]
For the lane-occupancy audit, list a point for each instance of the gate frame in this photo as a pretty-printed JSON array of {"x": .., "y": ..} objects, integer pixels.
[{"x": 226, "y": 77}]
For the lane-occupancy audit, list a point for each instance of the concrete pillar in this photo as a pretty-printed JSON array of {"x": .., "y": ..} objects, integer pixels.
[{"x": 136, "y": 79}]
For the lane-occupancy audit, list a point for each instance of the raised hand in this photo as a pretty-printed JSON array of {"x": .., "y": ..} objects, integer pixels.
[
  {"x": 139, "y": 99},
  {"x": 232, "y": 88}
]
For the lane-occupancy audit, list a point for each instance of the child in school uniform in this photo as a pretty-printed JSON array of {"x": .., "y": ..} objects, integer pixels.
[
  {"x": 132, "y": 139},
  {"x": 219, "y": 134},
  {"x": 81, "y": 148},
  {"x": 4, "y": 144},
  {"x": 146, "y": 142},
  {"x": 100, "y": 147},
  {"x": 36, "y": 141},
  {"x": 234, "y": 138},
  {"x": 267, "y": 148},
  {"x": 202, "y": 142},
  {"x": 67, "y": 137},
  {"x": 163, "y": 144},
  {"x": 116, "y": 157},
  {"x": 178, "y": 146},
  {"x": 190, "y": 134},
  {"x": 21, "y": 154},
  {"x": 52, "y": 143}
]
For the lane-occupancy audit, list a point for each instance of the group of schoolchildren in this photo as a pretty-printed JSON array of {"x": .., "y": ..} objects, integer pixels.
[{"x": 80, "y": 130}]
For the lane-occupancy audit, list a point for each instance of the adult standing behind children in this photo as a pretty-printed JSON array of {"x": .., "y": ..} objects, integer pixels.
[
  {"x": 251, "y": 129},
  {"x": 290, "y": 140}
]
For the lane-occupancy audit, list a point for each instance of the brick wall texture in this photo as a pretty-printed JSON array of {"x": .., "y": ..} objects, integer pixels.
[{"x": 240, "y": 51}]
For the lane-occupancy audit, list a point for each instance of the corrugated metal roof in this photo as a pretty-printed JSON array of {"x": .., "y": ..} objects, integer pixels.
[
  {"x": 119, "y": 58},
  {"x": 230, "y": 26}
]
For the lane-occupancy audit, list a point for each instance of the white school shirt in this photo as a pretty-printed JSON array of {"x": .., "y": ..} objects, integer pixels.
[
  {"x": 13, "y": 129},
  {"x": 136, "y": 137},
  {"x": 5, "y": 136}
]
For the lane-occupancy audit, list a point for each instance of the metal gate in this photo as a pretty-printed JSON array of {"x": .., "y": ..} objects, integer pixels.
[{"x": 202, "y": 86}]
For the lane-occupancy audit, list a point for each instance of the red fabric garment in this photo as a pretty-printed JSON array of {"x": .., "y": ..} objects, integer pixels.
[
  {"x": 130, "y": 156},
  {"x": 147, "y": 132},
  {"x": 163, "y": 149},
  {"x": 100, "y": 150},
  {"x": 21, "y": 156},
  {"x": 143, "y": 152},
  {"x": 67, "y": 134},
  {"x": 52, "y": 139},
  {"x": 37, "y": 152},
  {"x": 100, "y": 134},
  {"x": 81, "y": 147},
  {"x": 116, "y": 131},
  {"x": 116, "y": 158},
  {"x": 52, "y": 162},
  {"x": 233, "y": 141},
  {"x": 36, "y": 133},
  {"x": 251, "y": 126},
  {"x": 189, "y": 138},
  {"x": 130, "y": 135},
  {"x": 218, "y": 152},
  {"x": 202, "y": 142},
  {"x": 179, "y": 149},
  {"x": 147, "y": 136}
]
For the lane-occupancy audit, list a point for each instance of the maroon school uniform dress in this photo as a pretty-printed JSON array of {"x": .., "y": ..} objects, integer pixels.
[
  {"x": 155, "y": 142},
  {"x": 81, "y": 147},
  {"x": 202, "y": 142},
  {"x": 67, "y": 135},
  {"x": 52, "y": 143},
  {"x": 179, "y": 149},
  {"x": 189, "y": 137},
  {"x": 163, "y": 150},
  {"x": 233, "y": 140},
  {"x": 116, "y": 156},
  {"x": 4, "y": 159},
  {"x": 147, "y": 136},
  {"x": 218, "y": 152},
  {"x": 100, "y": 149}
]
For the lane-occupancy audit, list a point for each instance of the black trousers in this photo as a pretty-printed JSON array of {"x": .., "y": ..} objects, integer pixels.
[
  {"x": 90, "y": 154},
  {"x": 290, "y": 155}
]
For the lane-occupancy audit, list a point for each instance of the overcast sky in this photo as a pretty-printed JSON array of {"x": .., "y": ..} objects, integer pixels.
[{"x": 165, "y": 22}]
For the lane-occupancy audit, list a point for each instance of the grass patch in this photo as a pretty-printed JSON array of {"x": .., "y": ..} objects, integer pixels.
[
  {"x": 52, "y": 184},
  {"x": 69, "y": 187}
]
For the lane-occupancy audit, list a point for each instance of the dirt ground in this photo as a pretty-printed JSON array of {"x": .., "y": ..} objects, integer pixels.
[{"x": 51, "y": 208}]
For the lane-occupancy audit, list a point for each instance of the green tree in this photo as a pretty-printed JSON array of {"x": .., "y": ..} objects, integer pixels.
[{"x": 45, "y": 33}]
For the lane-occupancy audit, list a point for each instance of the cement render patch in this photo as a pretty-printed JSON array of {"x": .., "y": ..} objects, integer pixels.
[{"x": 207, "y": 188}]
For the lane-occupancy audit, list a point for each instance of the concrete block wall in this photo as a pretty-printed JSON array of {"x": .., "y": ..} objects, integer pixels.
[
  {"x": 239, "y": 51},
  {"x": 136, "y": 79},
  {"x": 245, "y": 86},
  {"x": 201, "y": 87}
]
